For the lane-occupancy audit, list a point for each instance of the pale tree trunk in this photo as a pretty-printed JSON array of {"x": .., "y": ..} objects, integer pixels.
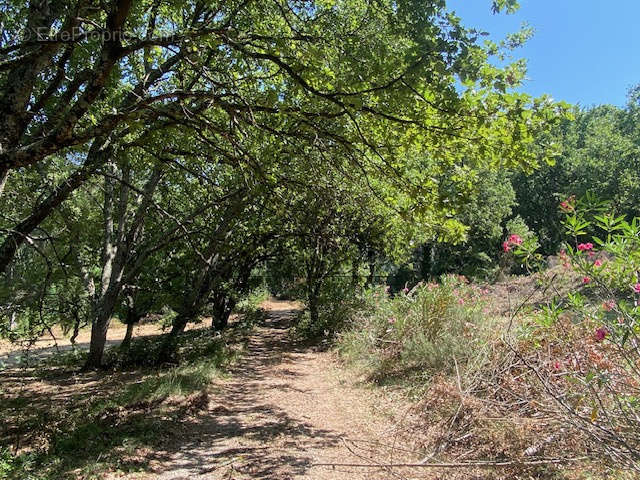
[
  {"x": 102, "y": 308},
  {"x": 4, "y": 175},
  {"x": 135, "y": 312},
  {"x": 128, "y": 336},
  {"x": 116, "y": 251},
  {"x": 99, "y": 328}
]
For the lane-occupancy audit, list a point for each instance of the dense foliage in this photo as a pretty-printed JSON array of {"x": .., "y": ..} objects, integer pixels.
[
  {"x": 154, "y": 154},
  {"x": 175, "y": 161}
]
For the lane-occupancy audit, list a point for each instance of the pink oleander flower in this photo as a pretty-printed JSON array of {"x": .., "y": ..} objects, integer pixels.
[
  {"x": 566, "y": 204},
  {"x": 585, "y": 246},
  {"x": 597, "y": 263},
  {"x": 601, "y": 333},
  {"x": 636, "y": 288},
  {"x": 586, "y": 280},
  {"x": 505, "y": 246},
  {"x": 515, "y": 239}
]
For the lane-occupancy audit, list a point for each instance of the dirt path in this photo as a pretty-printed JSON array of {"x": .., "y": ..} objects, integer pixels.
[{"x": 284, "y": 409}]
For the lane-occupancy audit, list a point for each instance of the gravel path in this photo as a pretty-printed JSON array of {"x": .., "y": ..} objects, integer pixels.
[{"x": 284, "y": 409}]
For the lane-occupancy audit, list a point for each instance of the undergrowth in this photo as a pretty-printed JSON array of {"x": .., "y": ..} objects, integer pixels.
[
  {"x": 412, "y": 336},
  {"x": 114, "y": 415}
]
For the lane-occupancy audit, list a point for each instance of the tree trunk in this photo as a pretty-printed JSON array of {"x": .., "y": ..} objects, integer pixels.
[
  {"x": 372, "y": 268},
  {"x": 355, "y": 273},
  {"x": 313, "y": 307},
  {"x": 170, "y": 343},
  {"x": 4, "y": 175},
  {"x": 126, "y": 341},
  {"x": 103, "y": 311},
  {"x": 222, "y": 308},
  {"x": 99, "y": 328},
  {"x": 76, "y": 329}
]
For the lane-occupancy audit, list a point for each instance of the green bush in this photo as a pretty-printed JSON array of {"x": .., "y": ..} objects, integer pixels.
[
  {"x": 431, "y": 329},
  {"x": 252, "y": 301},
  {"x": 336, "y": 305}
]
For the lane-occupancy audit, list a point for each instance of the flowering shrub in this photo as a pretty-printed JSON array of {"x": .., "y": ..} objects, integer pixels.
[
  {"x": 591, "y": 334},
  {"x": 521, "y": 244}
]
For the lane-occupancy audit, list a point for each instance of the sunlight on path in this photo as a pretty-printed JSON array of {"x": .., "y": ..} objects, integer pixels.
[{"x": 283, "y": 409}]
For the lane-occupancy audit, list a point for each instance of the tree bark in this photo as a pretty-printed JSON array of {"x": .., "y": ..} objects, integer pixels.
[
  {"x": 76, "y": 329},
  {"x": 313, "y": 309},
  {"x": 126, "y": 341},
  {"x": 170, "y": 343},
  {"x": 117, "y": 246},
  {"x": 222, "y": 308},
  {"x": 99, "y": 328},
  {"x": 4, "y": 175}
]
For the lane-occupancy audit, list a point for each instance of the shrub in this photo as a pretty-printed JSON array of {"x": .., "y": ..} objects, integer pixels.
[
  {"x": 592, "y": 333},
  {"x": 336, "y": 305},
  {"x": 421, "y": 332},
  {"x": 252, "y": 301}
]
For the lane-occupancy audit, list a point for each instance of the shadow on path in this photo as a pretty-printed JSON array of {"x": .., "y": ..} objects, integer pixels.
[{"x": 245, "y": 431}]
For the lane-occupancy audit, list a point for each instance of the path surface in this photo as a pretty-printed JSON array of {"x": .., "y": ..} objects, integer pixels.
[{"x": 284, "y": 409}]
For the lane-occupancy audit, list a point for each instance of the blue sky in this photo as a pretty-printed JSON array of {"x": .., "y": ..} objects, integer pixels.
[{"x": 585, "y": 52}]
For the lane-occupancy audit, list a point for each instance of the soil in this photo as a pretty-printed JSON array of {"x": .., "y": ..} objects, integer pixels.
[{"x": 286, "y": 409}]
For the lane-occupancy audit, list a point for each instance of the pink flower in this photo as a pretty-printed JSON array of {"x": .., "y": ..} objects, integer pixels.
[
  {"x": 461, "y": 301},
  {"x": 597, "y": 263},
  {"x": 585, "y": 246},
  {"x": 566, "y": 204},
  {"x": 586, "y": 280},
  {"x": 601, "y": 333},
  {"x": 505, "y": 246},
  {"x": 405, "y": 290},
  {"x": 591, "y": 253},
  {"x": 609, "y": 305},
  {"x": 515, "y": 239},
  {"x": 556, "y": 365},
  {"x": 636, "y": 288}
]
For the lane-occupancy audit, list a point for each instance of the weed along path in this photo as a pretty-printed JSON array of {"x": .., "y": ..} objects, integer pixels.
[{"x": 283, "y": 410}]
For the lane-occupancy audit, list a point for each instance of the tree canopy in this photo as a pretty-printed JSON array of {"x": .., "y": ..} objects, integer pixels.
[{"x": 193, "y": 139}]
